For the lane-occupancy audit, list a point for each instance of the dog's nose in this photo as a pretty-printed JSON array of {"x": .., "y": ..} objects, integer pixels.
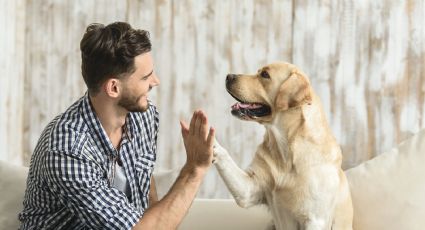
[{"x": 230, "y": 78}]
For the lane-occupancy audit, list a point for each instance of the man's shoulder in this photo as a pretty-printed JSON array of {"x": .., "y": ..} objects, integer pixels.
[{"x": 67, "y": 130}]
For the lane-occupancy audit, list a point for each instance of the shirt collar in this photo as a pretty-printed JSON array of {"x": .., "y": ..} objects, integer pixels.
[{"x": 96, "y": 127}]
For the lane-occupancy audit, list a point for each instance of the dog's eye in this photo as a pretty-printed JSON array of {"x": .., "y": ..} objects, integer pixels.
[{"x": 264, "y": 74}]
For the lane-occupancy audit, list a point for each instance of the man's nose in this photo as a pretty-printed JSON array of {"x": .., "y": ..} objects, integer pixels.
[{"x": 155, "y": 80}]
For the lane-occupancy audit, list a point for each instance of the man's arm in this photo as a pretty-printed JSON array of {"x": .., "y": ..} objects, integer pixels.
[
  {"x": 153, "y": 195},
  {"x": 170, "y": 211}
]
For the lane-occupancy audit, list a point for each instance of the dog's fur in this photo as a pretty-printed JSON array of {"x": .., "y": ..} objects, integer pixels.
[{"x": 296, "y": 171}]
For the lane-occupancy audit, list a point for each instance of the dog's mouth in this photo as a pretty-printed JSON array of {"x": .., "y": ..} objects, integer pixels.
[{"x": 249, "y": 110}]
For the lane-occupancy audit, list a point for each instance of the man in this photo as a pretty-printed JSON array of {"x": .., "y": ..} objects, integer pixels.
[{"x": 92, "y": 166}]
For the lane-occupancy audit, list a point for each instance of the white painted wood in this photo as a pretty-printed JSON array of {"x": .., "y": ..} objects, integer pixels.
[{"x": 12, "y": 79}]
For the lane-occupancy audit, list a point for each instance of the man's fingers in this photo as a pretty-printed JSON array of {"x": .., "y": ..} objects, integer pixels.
[
  {"x": 203, "y": 130},
  {"x": 211, "y": 137},
  {"x": 184, "y": 128},
  {"x": 198, "y": 122},
  {"x": 192, "y": 122}
]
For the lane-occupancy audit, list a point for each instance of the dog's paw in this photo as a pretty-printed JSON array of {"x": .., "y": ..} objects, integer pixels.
[{"x": 219, "y": 151}]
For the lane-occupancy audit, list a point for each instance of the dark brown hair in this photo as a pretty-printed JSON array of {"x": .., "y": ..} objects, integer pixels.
[{"x": 109, "y": 52}]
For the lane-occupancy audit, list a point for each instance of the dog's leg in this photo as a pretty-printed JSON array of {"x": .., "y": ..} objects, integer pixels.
[
  {"x": 241, "y": 185},
  {"x": 317, "y": 224},
  {"x": 271, "y": 226},
  {"x": 343, "y": 219}
]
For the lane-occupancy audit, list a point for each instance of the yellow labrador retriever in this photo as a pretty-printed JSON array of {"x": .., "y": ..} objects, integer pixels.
[{"x": 296, "y": 171}]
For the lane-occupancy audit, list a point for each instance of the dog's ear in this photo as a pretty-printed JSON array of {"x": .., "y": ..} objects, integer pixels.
[{"x": 293, "y": 92}]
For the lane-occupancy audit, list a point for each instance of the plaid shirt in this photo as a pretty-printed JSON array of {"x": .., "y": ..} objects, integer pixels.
[{"x": 69, "y": 184}]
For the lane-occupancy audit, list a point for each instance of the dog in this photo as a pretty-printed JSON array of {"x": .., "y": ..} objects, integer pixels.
[{"x": 296, "y": 170}]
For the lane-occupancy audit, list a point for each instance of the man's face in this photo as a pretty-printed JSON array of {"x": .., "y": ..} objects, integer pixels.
[{"x": 135, "y": 88}]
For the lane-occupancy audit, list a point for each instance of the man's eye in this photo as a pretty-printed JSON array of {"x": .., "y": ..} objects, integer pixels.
[{"x": 264, "y": 74}]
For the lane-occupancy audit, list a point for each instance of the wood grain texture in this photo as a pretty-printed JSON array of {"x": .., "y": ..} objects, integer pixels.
[
  {"x": 12, "y": 79},
  {"x": 366, "y": 60}
]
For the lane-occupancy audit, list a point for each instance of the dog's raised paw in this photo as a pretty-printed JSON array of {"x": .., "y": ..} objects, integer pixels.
[{"x": 218, "y": 151}]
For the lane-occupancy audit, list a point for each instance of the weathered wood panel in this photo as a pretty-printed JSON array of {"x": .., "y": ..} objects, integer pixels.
[
  {"x": 365, "y": 59},
  {"x": 12, "y": 41}
]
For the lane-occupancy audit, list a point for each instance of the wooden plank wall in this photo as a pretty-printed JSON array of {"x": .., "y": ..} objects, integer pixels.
[
  {"x": 365, "y": 59},
  {"x": 12, "y": 66}
]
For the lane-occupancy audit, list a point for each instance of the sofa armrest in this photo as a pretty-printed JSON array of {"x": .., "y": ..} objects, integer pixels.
[{"x": 12, "y": 189}]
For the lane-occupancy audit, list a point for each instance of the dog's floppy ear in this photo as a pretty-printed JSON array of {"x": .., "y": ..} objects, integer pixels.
[{"x": 293, "y": 92}]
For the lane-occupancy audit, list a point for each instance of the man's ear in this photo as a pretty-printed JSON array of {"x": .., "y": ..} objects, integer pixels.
[
  {"x": 293, "y": 92},
  {"x": 112, "y": 87}
]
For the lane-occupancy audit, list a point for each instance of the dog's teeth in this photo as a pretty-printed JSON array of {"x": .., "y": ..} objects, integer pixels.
[
  {"x": 240, "y": 105},
  {"x": 244, "y": 105},
  {"x": 250, "y": 106}
]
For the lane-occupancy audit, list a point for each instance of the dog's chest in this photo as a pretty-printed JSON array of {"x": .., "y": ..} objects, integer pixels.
[
  {"x": 289, "y": 207},
  {"x": 283, "y": 199},
  {"x": 283, "y": 215}
]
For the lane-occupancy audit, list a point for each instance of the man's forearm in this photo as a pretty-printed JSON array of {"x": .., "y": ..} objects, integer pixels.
[
  {"x": 169, "y": 211},
  {"x": 153, "y": 195}
]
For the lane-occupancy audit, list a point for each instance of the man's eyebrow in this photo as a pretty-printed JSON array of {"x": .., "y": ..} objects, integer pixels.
[{"x": 148, "y": 74}]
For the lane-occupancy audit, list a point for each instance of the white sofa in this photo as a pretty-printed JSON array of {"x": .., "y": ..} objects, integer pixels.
[
  {"x": 388, "y": 193},
  {"x": 12, "y": 188}
]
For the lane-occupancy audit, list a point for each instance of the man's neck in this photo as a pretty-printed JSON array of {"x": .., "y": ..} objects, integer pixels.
[{"x": 110, "y": 116}]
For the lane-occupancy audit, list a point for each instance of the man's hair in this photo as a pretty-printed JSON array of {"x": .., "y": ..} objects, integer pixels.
[{"x": 109, "y": 52}]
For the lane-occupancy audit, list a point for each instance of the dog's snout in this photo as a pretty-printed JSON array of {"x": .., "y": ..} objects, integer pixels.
[
  {"x": 231, "y": 76},
  {"x": 229, "y": 79}
]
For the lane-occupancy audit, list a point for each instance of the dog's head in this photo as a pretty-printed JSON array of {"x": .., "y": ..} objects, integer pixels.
[{"x": 275, "y": 88}]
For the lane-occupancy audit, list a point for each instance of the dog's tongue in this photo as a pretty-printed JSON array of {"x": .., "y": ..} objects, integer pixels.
[{"x": 245, "y": 106}]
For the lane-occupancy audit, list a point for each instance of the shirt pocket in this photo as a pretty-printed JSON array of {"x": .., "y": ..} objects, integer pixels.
[{"x": 144, "y": 169}]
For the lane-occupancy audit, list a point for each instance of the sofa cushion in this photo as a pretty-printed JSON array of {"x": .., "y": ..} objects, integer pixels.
[
  {"x": 12, "y": 189},
  {"x": 224, "y": 214},
  {"x": 389, "y": 191}
]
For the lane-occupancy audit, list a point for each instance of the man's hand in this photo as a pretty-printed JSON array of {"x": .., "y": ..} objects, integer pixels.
[
  {"x": 169, "y": 211},
  {"x": 198, "y": 140}
]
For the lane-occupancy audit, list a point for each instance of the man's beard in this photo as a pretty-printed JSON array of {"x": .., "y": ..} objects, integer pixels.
[{"x": 131, "y": 103}]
